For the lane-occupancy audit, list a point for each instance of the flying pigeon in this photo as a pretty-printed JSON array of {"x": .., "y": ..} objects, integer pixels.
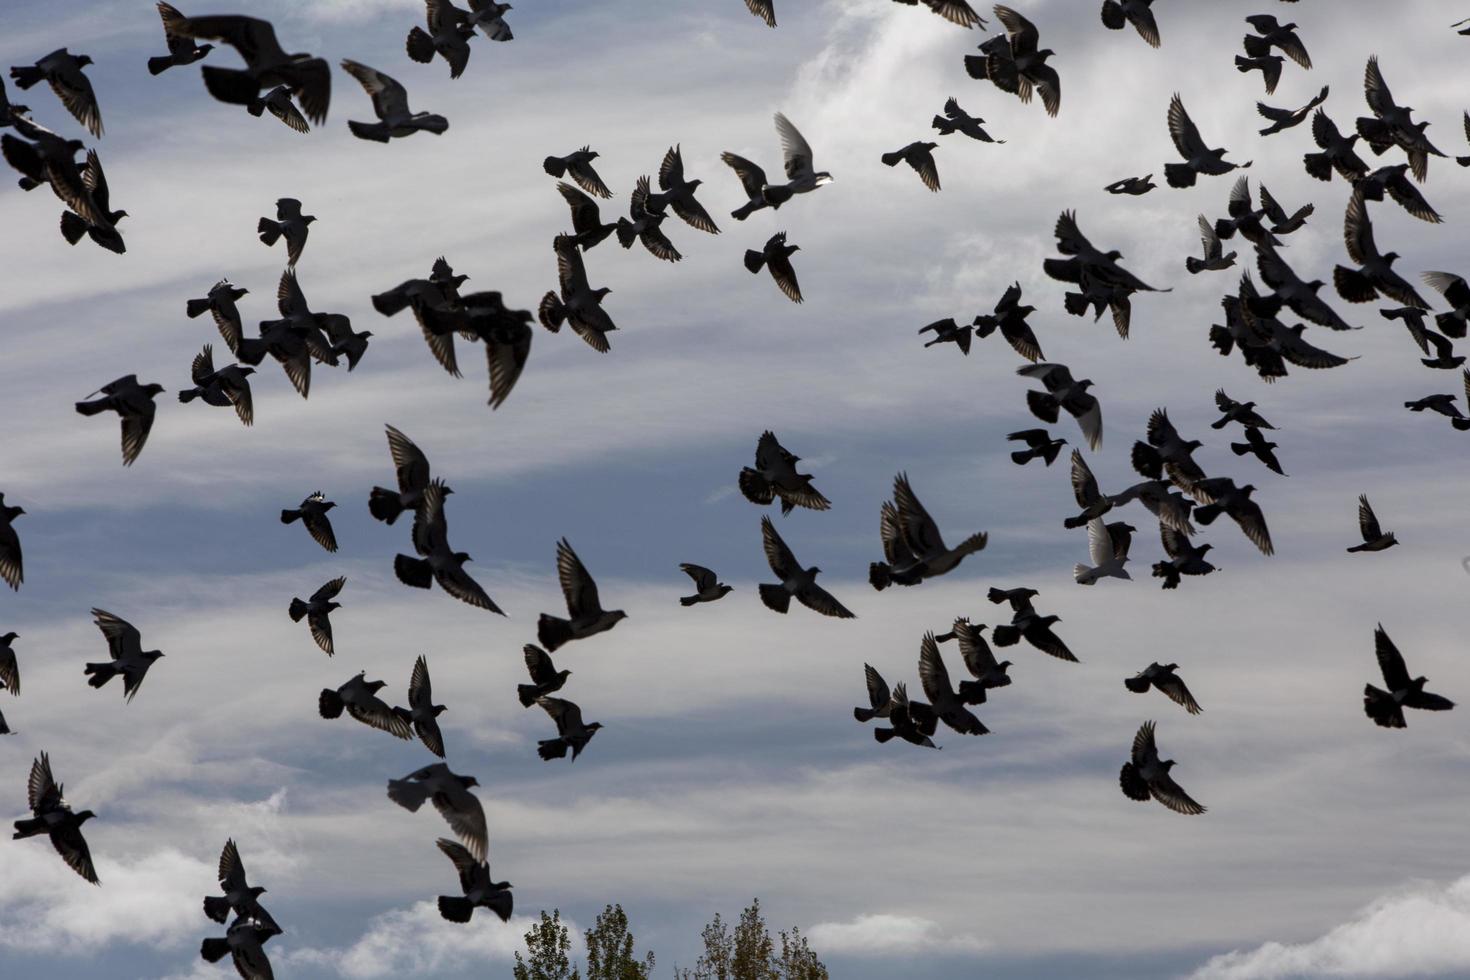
[
  {"x": 1039, "y": 445},
  {"x": 1014, "y": 64},
  {"x": 801, "y": 177},
  {"x": 1374, "y": 537},
  {"x": 1106, "y": 557},
  {"x": 794, "y": 580},
  {"x": 1009, "y": 318},
  {"x": 912, "y": 547},
  {"x": 586, "y": 217},
  {"x": 645, "y": 226},
  {"x": 278, "y": 103},
  {"x": 53, "y": 816},
  {"x": 1282, "y": 119},
  {"x": 227, "y": 387},
  {"x": 129, "y": 659},
  {"x": 1198, "y": 158},
  {"x": 447, "y": 35},
  {"x": 578, "y": 166},
  {"x": 390, "y": 105},
  {"x": 1215, "y": 258},
  {"x": 1386, "y": 708},
  {"x": 1184, "y": 557},
  {"x": 316, "y": 611},
  {"x": 946, "y": 331},
  {"x": 243, "y": 943},
  {"x": 1145, "y": 775},
  {"x": 181, "y": 50},
  {"x": 239, "y": 897},
  {"x": 1163, "y": 678},
  {"x": 290, "y": 224},
  {"x": 422, "y": 712},
  {"x": 956, "y": 120},
  {"x": 678, "y": 193},
  {"x": 920, "y": 156},
  {"x": 586, "y": 617},
  {"x": 9, "y": 667},
  {"x": 1221, "y": 495},
  {"x": 774, "y": 475},
  {"x": 545, "y": 678},
  {"x": 941, "y": 693},
  {"x": 359, "y": 698},
  {"x": 707, "y": 587},
  {"x": 474, "y": 881},
  {"x": 579, "y": 304},
  {"x": 62, "y": 70},
  {"x": 1063, "y": 392},
  {"x": 776, "y": 256},
  {"x": 907, "y": 721},
  {"x": 313, "y": 515},
  {"x": 571, "y": 732},
  {"x": 438, "y": 562},
  {"x": 12, "y": 565},
  {"x": 1027, "y": 624},
  {"x": 133, "y": 403},
  {"x": 1256, "y": 445},
  {"x": 1133, "y": 186}
]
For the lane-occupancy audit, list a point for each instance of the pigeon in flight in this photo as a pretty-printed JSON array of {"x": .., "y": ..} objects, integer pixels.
[
  {"x": 1010, "y": 319},
  {"x": 1039, "y": 445},
  {"x": 10, "y": 111},
  {"x": 1281, "y": 222},
  {"x": 920, "y": 156},
  {"x": 764, "y": 9},
  {"x": 707, "y": 586},
  {"x": 448, "y": 36},
  {"x": 1282, "y": 119},
  {"x": 451, "y": 796},
  {"x": 678, "y": 193},
  {"x": 359, "y": 698},
  {"x": 955, "y": 11},
  {"x": 979, "y": 660},
  {"x": 908, "y": 720},
  {"x": 1013, "y": 63},
  {"x": 244, "y": 943},
  {"x": 1233, "y": 411},
  {"x": 1198, "y": 158},
  {"x": 1374, "y": 537},
  {"x": 43, "y": 157},
  {"x": 104, "y": 233},
  {"x": 1144, "y": 775},
  {"x": 1118, "y": 14},
  {"x": 227, "y": 387},
  {"x": 1256, "y": 445},
  {"x": 313, "y": 515},
  {"x": 1386, "y": 708},
  {"x": 1027, "y": 624},
  {"x": 9, "y": 667},
  {"x": 506, "y": 334},
  {"x": 774, "y": 475},
  {"x": 220, "y": 304},
  {"x": 545, "y": 678},
  {"x": 880, "y": 698},
  {"x": 1414, "y": 320},
  {"x": 1221, "y": 495},
  {"x": 181, "y": 50},
  {"x": 1269, "y": 65},
  {"x": 12, "y": 565},
  {"x": 1172, "y": 509},
  {"x": 411, "y": 467},
  {"x": 1391, "y": 182},
  {"x": 1290, "y": 290},
  {"x": 645, "y": 226},
  {"x": 1184, "y": 557},
  {"x": 1215, "y": 257},
  {"x": 1245, "y": 219},
  {"x": 489, "y": 17},
  {"x": 579, "y": 304},
  {"x": 1337, "y": 151},
  {"x": 266, "y": 63},
  {"x": 422, "y": 712},
  {"x": 1392, "y": 124},
  {"x": 438, "y": 562},
  {"x": 278, "y": 103},
  {"x": 474, "y": 881},
  {"x": 1167, "y": 451},
  {"x": 62, "y": 70},
  {"x": 1456, "y": 293},
  {"x": 390, "y": 105},
  {"x": 795, "y": 580},
  {"x": 1133, "y": 186},
  {"x": 129, "y": 659},
  {"x": 1094, "y": 502},
  {"x": 776, "y": 256},
  {"x": 1272, "y": 34},
  {"x": 1445, "y": 405},
  {"x": 956, "y": 120},
  {"x": 946, "y": 331},
  {"x": 912, "y": 547},
  {"x": 941, "y": 693},
  {"x": 1104, "y": 282},
  {"x": 1063, "y": 392},
  {"x": 578, "y": 166},
  {"x": 1106, "y": 556},
  {"x": 1163, "y": 677},
  {"x": 290, "y": 224},
  {"x": 586, "y": 617},
  {"x": 239, "y": 896},
  {"x": 133, "y": 403},
  {"x": 317, "y": 610},
  {"x": 1374, "y": 273},
  {"x": 53, "y": 816},
  {"x": 801, "y": 177},
  {"x": 571, "y": 732},
  {"x": 586, "y": 217}
]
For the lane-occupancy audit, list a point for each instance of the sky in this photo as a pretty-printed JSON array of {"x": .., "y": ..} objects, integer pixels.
[{"x": 730, "y": 766}]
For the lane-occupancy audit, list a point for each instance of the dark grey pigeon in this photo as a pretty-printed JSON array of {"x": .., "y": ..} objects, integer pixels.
[
  {"x": 181, "y": 50},
  {"x": 579, "y": 304},
  {"x": 941, "y": 693},
  {"x": 1064, "y": 392},
  {"x": 1256, "y": 445},
  {"x": 1374, "y": 273},
  {"x": 489, "y": 17},
  {"x": 678, "y": 193},
  {"x": 645, "y": 226},
  {"x": 448, "y": 36},
  {"x": 1198, "y": 158},
  {"x": 1456, "y": 293},
  {"x": 1233, "y": 411},
  {"x": 776, "y": 256},
  {"x": 1118, "y": 14},
  {"x": 1391, "y": 182},
  {"x": 956, "y": 120},
  {"x": 9, "y": 667},
  {"x": 317, "y": 610},
  {"x": 586, "y": 217},
  {"x": 578, "y": 166},
  {"x": 585, "y": 615},
  {"x": 438, "y": 561},
  {"x": 1445, "y": 405},
  {"x": 53, "y": 817},
  {"x": 794, "y": 580},
  {"x": 1337, "y": 151},
  {"x": 1039, "y": 445},
  {"x": 506, "y": 334},
  {"x": 1026, "y": 623},
  {"x": 1014, "y": 63},
  {"x": 239, "y": 896},
  {"x": 1215, "y": 258},
  {"x": 411, "y": 467},
  {"x": 545, "y": 678},
  {"x": 1281, "y": 222},
  {"x": 12, "y": 564},
  {"x": 979, "y": 660},
  {"x": 474, "y": 881},
  {"x": 913, "y": 549},
  {"x": 1105, "y": 284},
  {"x": 129, "y": 659},
  {"x": 278, "y": 103},
  {"x": 300, "y": 332},
  {"x": 1010, "y": 319},
  {"x": 266, "y": 63},
  {"x": 908, "y": 720},
  {"x": 920, "y": 156},
  {"x": 1144, "y": 775},
  {"x": 1221, "y": 495},
  {"x": 707, "y": 586},
  {"x": 1374, "y": 537},
  {"x": 1163, "y": 678},
  {"x": 764, "y": 9},
  {"x": 1386, "y": 708},
  {"x": 774, "y": 475},
  {"x": 451, "y": 796},
  {"x": 43, "y": 157},
  {"x": 437, "y": 306},
  {"x": 244, "y": 943},
  {"x": 1184, "y": 557},
  {"x": 946, "y": 331},
  {"x": 62, "y": 70},
  {"x": 1249, "y": 221},
  {"x": 1282, "y": 119},
  {"x": 220, "y": 304},
  {"x": 1270, "y": 33},
  {"x": 1269, "y": 65},
  {"x": 1133, "y": 186},
  {"x": 422, "y": 712},
  {"x": 1392, "y": 124},
  {"x": 342, "y": 340},
  {"x": 290, "y": 224},
  {"x": 133, "y": 403},
  {"x": 390, "y": 105},
  {"x": 103, "y": 232},
  {"x": 313, "y": 515},
  {"x": 571, "y": 732},
  {"x": 955, "y": 11},
  {"x": 359, "y": 698}
]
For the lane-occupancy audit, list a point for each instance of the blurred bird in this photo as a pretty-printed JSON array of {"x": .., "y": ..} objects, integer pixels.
[
  {"x": 12, "y": 564},
  {"x": 1256, "y": 445},
  {"x": 359, "y": 697},
  {"x": 586, "y": 617},
  {"x": 313, "y": 515},
  {"x": 1233, "y": 411},
  {"x": 774, "y": 475},
  {"x": 62, "y": 70},
  {"x": 317, "y": 610},
  {"x": 129, "y": 659},
  {"x": 1198, "y": 158},
  {"x": 1281, "y": 222},
  {"x": 290, "y": 224},
  {"x": 776, "y": 255},
  {"x": 220, "y": 303},
  {"x": 53, "y": 817},
  {"x": 278, "y": 103},
  {"x": 133, "y": 403},
  {"x": 946, "y": 331},
  {"x": 1027, "y": 624},
  {"x": 411, "y": 467},
  {"x": 941, "y": 693},
  {"x": 1386, "y": 708},
  {"x": 707, "y": 586},
  {"x": 571, "y": 732},
  {"x": 1094, "y": 502},
  {"x": 506, "y": 334},
  {"x": 1445, "y": 405},
  {"x": 1039, "y": 445},
  {"x": 422, "y": 712},
  {"x": 1214, "y": 259},
  {"x": 794, "y": 580},
  {"x": 390, "y": 105},
  {"x": 1014, "y": 64},
  {"x": 1144, "y": 775},
  {"x": 1063, "y": 392},
  {"x": 1107, "y": 560},
  {"x": 1282, "y": 119},
  {"x": 181, "y": 50},
  {"x": 1134, "y": 186},
  {"x": 880, "y": 698},
  {"x": 244, "y": 943},
  {"x": 10, "y": 111},
  {"x": 579, "y": 304},
  {"x": 1009, "y": 318},
  {"x": 1184, "y": 557},
  {"x": 644, "y": 226},
  {"x": 1374, "y": 537},
  {"x": 913, "y": 549},
  {"x": 1221, "y": 495},
  {"x": 1118, "y": 14},
  {"x": 918, "y": 155},
  {"x": 438, "y": 561},
  {"x": 1162, "y": 677},
  {"x": 956, "y": 120},
  {"x": 451, "y": 796},
  {"x": 1288, "y": 289},
  {"x": 1172, "y": 509},
  {"x": 238, "y": 896},
  {"x": 447, "y": 35},
  {"x": 801, "y": 176},
  {"x": 545, "y": 678},
  {"x": 578, "y": 166},
  {"x": 474, "y": 881},
  {"x": 678, "y": 193},
  {"x": 489, "y": 17}
]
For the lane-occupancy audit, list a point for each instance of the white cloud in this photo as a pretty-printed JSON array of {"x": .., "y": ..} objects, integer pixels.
[{"x": 884, "y": 934}]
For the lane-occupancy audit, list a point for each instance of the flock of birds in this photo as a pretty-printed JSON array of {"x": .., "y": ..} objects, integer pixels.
[{"x": 1174, "y": 489}]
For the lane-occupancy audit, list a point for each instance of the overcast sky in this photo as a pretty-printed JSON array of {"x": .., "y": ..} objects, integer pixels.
[{"x": 730, "y": 765}]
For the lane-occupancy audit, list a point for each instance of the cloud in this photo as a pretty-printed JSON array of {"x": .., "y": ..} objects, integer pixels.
[
  {"x": 1422, "y": 930},
  {"x": 882, "y": 934}
]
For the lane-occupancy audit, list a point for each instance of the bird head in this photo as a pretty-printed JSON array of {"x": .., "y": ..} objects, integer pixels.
[
  {"x": 151, "y": 655},
  {"x": 1114, "y": 255},
  {"x": 333, "y": 605},
  {"x": 1048, "y": 620},
  {"x": 329, "y": 505},
  {"x": 307, "y": 219},
  {"x": 152, "y": 390},
  {"x": 600, "y": 293},
  {"x": 1166, "y": 764},
  {"x": 564, "y": 675},
  {"x": 439, "y": 709},
  {"x": 726, "y": 589},
  {"x": 205, "y": 48},
  {"x": 597, "y": 724},
  {"x": 462, "y": 557},
  {"x": 1085, "y": 383},
  {"x": 468, "y": 781},
  {"x": 374, "y": 686},
  {"x": 694, "y": 183},
  {"x": 257, "y": 891},
  {"x": 591, "y": 155},
  {"x": 18, "y": 109},
  {"x": 246, "y": 371},
  {"x": 1044, "y": 53},
  {"x": 1204, "y": 547},
  {"x": 1247, "y": 490},
  {"x": 84, "y": 816},
  {"x": 618, "y": 614},
  {"x": 1193, "y": 444},
  {"x": 823, "y": 178},
  {"x": 83, "y": 60},
  {"x": 75, "y": 146},
  {"x": 1003, "y": 666},
  {"x": 1390, "y": 257},
  {"x": 1129, "y": 528},
  {"x": 8, "y": 638}
]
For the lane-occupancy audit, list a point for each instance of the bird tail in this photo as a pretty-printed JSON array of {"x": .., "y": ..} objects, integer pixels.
[
  {"x": 196, "y": 307},
  {"x": 1318, "y": 165},
  {"x": 972, "y": 544},
  {"x": 29, "y": 828},
  {"x": 391, "y": 302},
  {"x": 407, "y": 793},
  {"x": 1022, "y": 456},
  {"x": 864, "y": 714},
  {"x": 884, "y": 735},
  {"x": 595, "y": 236},
  {"x": 100, "y": 674},
  {"x": 384, "y": 504},
  {"x": 1256, "y": 47},
  {"x": 975, "y": 66},
  {"x": 527, "y": 694},
  {"x": 329, "y": 704},
  {"x": 1072, "y": 523},
  {"x": 256, "y": 107},
  {"x": 290, "y": 516},
  {"x": 269, "y": 231},
  {"x": 1450, "y": 325},
  {"x": 1382, "y": 708},
  {"x": 553, "y": 632},
  {"x": 72, "y": 227},
  {"x": 26, "y": 75},
  {"x": 1075, "y": 303},
  {"x": 92, "y": 407},
  {"x": 745, "y": 210},
  {"x": 187, "y": 396},
  {"x": 415, "y": 572},
  {"x": 689, "y": 600},
  {"x": 432, "y": 123},
  {"x": 1083, "y": 574},
  {"x": 1133, "y": 785},
  {"x": 217, "y": 907},
  {"x": 1353, "y": 286},
  {"x": 1166, "y": 571},
  {"x": 552, "y": 748},
  {"x": 420, "y": 47},
  {"x": 232, "y": 85},
  {"x": 1179, "y": 175},
  {"x": 1050, "y": 453},
  {"x": 160, "y": 64},
  {"x": 1112, "y": 16},
  {"x": 555, "y": 166},
  {"x": 1224, "y": 229},
  {"x": 1042, "y": 405},
  {"x": 214, "y": 950},
  {"x": 754, "y": 261},
  {"x": 945, "y": 126},
  {"x": 552, "y": 312},
  {"x": 1137, "y": 685},
  {"x": 454, "y": 909},
  {"x": 377, "y": 132},
  {"x": 1239, "y": 448},
  {"x": 756, "y": 488},
  {"x": 880, "y": 575},
  {"x": 627, "y": 234},
  {"x": 892, "y": 159},
  {"x": 296, "y": 610},
  {"x": 776, "y": 196},
  {"x": 971, "y": 692},
  {"x": 775, "y": 597},
  {"x": 1207, "y": 513},
  {"x": 1005, "y": 636},
  {"x": 1221, "y": 340},
  {"x": 1147, "y": 461},
  {"x": 502, "y": 904},
  {"x": 1461, "y": 424},
  {"x": 1194, "y": 265}
]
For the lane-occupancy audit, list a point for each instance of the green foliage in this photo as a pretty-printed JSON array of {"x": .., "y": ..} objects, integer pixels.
[
  {"x": 610, "y": 953},
  {"x": 749, "y": 953},
  {"x": 547, "y": 944}
]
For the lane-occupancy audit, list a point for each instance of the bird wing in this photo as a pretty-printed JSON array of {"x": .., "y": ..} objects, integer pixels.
[
  {"x": 692, "y": 212},
  {"x": 1273, "y": 210},
  {"x": 319, "y": 526},
  {"x": 1375, "y": 89},
  {"x": 878, "y": 693},
  {"x": 1182, "y": 130},
  {"x": 671, "y": 171},
  {"x": 231, "y": 869},
  {"x": 1020, "y": 31},
  {"x": 586, "y": 215},
  {"x": 202, "y": 366},
  {"x": 703, "y": 577},
  {"x": 389, "y": 97},
  {"x": 778, "y": 556},
  {"x": 1209, "y": 240},
  {"x": 1144, "y": 749},
  {"x": 818, "y": 599},
  {"x": 289, "y": 297},
  {"x": 1390, "y": 661},
  {"x": 538, "y": 664},
  {"x": 1240, "y": 198},
  {"x": 330, "y": 590},
  {"x": 1084, "y": 484},
  {"x": 1173, "y": 686},
  {"x": 72, "y": 847},
  {"x": 1357, "y": 230},
  {"x": 752, "y": 177},
  {"x": 1100, "y": 548},
  {"x": 375, "y": 713},
  {"x": 769, "y": 453},
  {"x": 784, "y": 273},
  {"x": 1367, "y": 520},
  {"x": 464, "y": 862},
  {"x": 506, "y": 359},
  {"x": 794, "y": 148},
  {"x": 135, "y": 429},
  {"x": 123, "y": 640},
  {"x": 933, "y": 675},
  {"x": 420, "y": 689},
  {"x": 919, "y": 528},
  {"x": 410, "y": 463},
  {"x": 974, "y": 650},
  {"x": 576, "y": 585},
  {"x": 42, "y": 793},
  {"x": 896, "y": 550},
  {"x": 289, "y": 114},
  {"x": 571, "y": 273},
  {"x": 1166, "y": 791},
  {"x": 1161, "y": 431},
  {"x": 459, "y": 583},
  {"x": 96, "y": 181},
  {"x": 583, "y": 173}
]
